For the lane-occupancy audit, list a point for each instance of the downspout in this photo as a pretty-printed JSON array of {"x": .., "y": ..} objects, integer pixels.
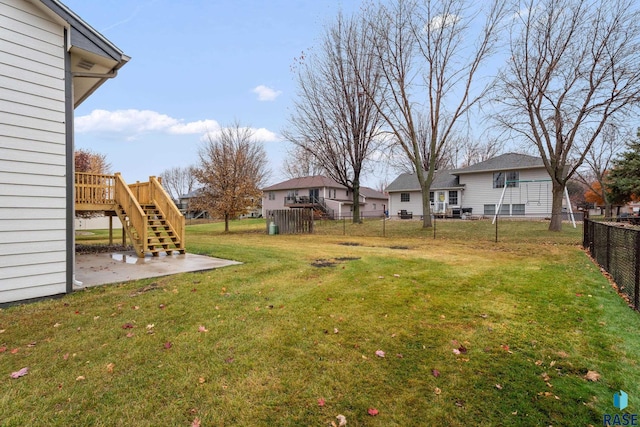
[{"x": 70, "y": 165}]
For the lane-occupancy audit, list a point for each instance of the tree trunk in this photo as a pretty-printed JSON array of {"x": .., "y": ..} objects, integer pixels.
[
  {"x": 556, "y": 207},
  {"x": 426, "y": 207},
  {"x": 608, "y": 209},
  {"x": 356, "y": 203},
  {"x": 226, "y": 222}
]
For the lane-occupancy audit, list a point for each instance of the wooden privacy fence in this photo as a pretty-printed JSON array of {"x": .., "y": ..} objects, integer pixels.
[{"x": 291, "y": 221}]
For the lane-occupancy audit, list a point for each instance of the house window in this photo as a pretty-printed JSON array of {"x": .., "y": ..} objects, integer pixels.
[
  {"x": 431, "y": 196},
  {"x": 405, "y": 197},
  {"x": 504, "y": 210},
  {"x": 374, "y": 206},
  {"x": 517, "y": 209},
  {"x": 272, "y": 195},
  {"x": 453, "y": 197},
  {"x": 489, "y": 209},
  {"x": 292, "y": 193},
  {"x": 511, "y": 176}
]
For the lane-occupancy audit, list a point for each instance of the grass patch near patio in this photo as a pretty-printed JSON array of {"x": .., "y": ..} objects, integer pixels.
[{"x": 259, "y": 344}]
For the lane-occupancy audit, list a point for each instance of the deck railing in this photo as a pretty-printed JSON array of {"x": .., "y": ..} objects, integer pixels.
[
  {"x": 125, "y": 198},
  {"x": 170, "y": 211},
  {"x": 94, "y": 191}
]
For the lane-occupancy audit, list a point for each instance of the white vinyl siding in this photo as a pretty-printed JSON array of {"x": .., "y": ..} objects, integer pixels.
[
  {"x": 32, "y": 154},
  {"x": 479, "y": 192},
  {"x": 414, "y": 206}
]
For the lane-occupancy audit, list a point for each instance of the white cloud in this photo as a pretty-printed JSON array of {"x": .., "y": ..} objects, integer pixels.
[
  {"x": 135, "y": 122},
  {"x": 442, "y": 21},
  {"x": 265, "y": 93},
  {"x": 201, "y": 126},
  {"x": 259, "y": 134},
  {"x": 130, "y": 124}
]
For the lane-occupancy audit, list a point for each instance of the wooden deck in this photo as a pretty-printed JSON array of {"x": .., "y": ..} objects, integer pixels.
[{"x": 150, "y": 218}]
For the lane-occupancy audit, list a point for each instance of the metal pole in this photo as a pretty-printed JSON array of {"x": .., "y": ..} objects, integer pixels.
[
  {"x": 434, "y": 226},
  {"x": 384, "y": 225},
  {"x": 566, "y": 194},
  {"x": 496, "y": 220}
]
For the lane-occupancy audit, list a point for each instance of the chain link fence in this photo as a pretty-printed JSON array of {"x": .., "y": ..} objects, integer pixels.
[{"x": 615, "y": 246}]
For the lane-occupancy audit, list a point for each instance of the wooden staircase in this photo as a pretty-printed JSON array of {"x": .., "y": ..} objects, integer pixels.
[
  {"x": 149, "y": 217},
  {"x": 161, "y": 237}
]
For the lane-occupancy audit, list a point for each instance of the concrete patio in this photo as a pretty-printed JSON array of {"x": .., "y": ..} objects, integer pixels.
[{"x": 104, "y": 268}]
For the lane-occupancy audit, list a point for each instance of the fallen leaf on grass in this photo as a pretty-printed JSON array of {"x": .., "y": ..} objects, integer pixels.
[
  {"x": 202, "y": 329},
  {"x": 379, "y": 353},
  {"x": 373, "y": 412},
  {"x": 592, "y": 376},
  {"x": 435, "y": 373},
  {"x": 57, "y": 325},
  {"x": 437, "y": 391},
  {"x": 168, "y": 345},
  {"x": 80, "y": 378},
  {"x": 110, "y": 367},
  {"x": 3, "y": 348},
  {"x": 321, "y": 402},
  {"x": 127, "y": 326},
  {"x": 202, "y": 380},
  {"x": 498, "y": 386},
  {"x": 15, "y": 350},
  {"x": 196, "y": 422},
  {"x": 456, "y": 351},
  {"x": 342, "y": 420},
  {"x": 130, "y": 335},
  {"x": 21, "y": 373},
  {"x": 462, "y": 349}
]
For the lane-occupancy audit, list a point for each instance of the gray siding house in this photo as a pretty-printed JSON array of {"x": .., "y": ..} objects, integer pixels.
[
  {"x": 477, "y": 189},
  {"x": 50, "y": 61}
]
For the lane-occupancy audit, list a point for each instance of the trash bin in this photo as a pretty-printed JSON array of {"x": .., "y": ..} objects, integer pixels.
[{"x": 273, "y": 228}]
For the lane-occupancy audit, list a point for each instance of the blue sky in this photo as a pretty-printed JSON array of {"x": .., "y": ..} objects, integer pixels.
[{"x": 196, "y": 65}]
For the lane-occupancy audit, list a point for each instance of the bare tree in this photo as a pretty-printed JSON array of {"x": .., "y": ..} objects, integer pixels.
[
  {"x": 573, "y": 68},
  {"x": 430, "y": 69},
  {"x": 179, "y": 181},
  {"x": 232, "y": 169},
  {"x": 598, "y": 161},
  {"x": 334, "y": 121},
  {"x": 301, "y": 163},
  {"x": 474, "y": 151}
]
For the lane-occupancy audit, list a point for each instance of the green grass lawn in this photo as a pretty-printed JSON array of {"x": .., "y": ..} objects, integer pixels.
[{"x": 289, "y": 338}]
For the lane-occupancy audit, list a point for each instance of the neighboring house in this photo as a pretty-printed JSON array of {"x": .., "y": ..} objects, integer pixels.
[
  {"x": 191, "y": 213},
  {"x": 322, "y": 194},
  {"x": 477, "y": 189},
  {"x": 50, "y": 62}
]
